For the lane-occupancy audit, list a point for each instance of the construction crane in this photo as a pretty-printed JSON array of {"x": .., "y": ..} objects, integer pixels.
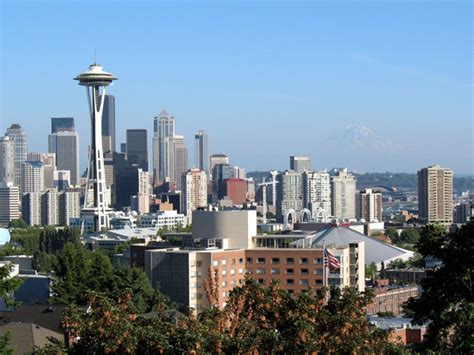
[{"x": 264, "y": 192}]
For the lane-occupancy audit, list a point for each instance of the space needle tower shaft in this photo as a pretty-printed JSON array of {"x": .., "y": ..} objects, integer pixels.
[{"x": 95, "y": 207}]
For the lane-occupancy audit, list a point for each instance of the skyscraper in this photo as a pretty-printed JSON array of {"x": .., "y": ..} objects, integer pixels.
[
  {"x": 31, "y": 208},
  {"x": 181, "y": 154},
  {"x": 300, "y": 164},
  {"x": 137, "y": 148},
  {"x": 221, "y": 173},
  {"x": 435, "y": 195},
  {"x": 50, "y": 208},
  {"x": 343, "y": 195},
  {"x": 289, "y": 195},
  {"x": 369, "y": 205},
  {"x": 49, "y": 166},
  {"x": 96, "y": 210},
  {"x": 201, "y": 151},
  {"x": 317, "y": 194},
  {"x": 9, "y": 202},
  {"x": 19, "y": 137},
  {"x": 218, "y": 159},
  {"x": 108, "y": 124},
  {"x": 164, "y": 160},
  {"x": 61, "y": 124},
  {"x": 65, "y": 144},
  {"x": 32, "y": 177},
  {"x": 7, "y": 160},
  {"x": 194, "y": 193}
]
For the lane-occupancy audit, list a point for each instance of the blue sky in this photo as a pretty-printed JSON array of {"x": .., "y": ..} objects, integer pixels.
[{"x": 375, "y": 86}]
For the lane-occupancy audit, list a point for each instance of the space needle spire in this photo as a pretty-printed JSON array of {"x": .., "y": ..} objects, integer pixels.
[{"x": 95, "y": 207}]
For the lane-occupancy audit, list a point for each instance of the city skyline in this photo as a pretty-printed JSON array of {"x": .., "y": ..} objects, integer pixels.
[{"x": 380, "y": 95}]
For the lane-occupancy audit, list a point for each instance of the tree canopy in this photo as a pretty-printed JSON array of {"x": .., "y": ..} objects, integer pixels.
[{"x": 447, "y": 301}]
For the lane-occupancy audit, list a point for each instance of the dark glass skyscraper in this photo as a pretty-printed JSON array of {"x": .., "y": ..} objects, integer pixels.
[
  {"x": 108, "y": 124},
  {"x": 62, "y": 124},
  {"x": 137, "y": 148}
]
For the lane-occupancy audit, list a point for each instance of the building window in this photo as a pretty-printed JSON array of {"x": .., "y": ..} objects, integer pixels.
[
  {"x": 275, "y": 260},
  {"x": 241, "y": 271},
  {"x": 249, "y": 260},
  {"x": 290, "y": 271},
  {"x": 223, "y": 262},
  {"x": 232, "y": 283},
  {"x": 224, "y": 283},
  {"x": 318, "y": 271},
  {"x": 232, "y": 261},
  {"x": 232, "y": 271},
  {"x": 224, "y": 272},
  {"x": 224, "y": 294},
  {"x": 260, "y": 260},
  {"x": 304, "y": 272},
  {"x": 318, "y": 282},
  {"x": 241, "y": 260},
  {"x": 215, "y": 263},
  {"x": 290, "y": 282},
  {"x": 275, "y": 271},
  {"x": 303, "y": 260},
  {"x": 260, "y": 271},
  {"x": 304, "y": 282},
  {"x": 318, "y": 261},
  {"x": 290, "y": 260},
  {"x": 249, "y": 271},
  {"x": 261, "y": 281}
]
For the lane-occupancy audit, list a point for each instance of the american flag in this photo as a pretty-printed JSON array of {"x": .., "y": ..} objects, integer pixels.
[{"x": 331, "y": 261}]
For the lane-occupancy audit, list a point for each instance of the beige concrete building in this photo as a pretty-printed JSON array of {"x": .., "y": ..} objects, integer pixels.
[
  {"x": 194, "y": 191},
  {"x": 9, "y": 202},
  {"x": 435, "y": 195},
  {"x": 369, "y": 205},
  {"x": 343, "y": 191}
]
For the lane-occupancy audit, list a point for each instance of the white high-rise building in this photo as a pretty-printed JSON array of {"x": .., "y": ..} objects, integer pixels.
[
  {"x": 65, "y": 144},
  {"x": 9, "y": 202},
  {"x": 164, "y": 160},
  {"x": 317, "y": 194},
  {"x": 7, "y": 160},
  {"x": 20, "y": 138},
  {"x": 300, "y": 164},
  {"x": 343, "y": 195},
  {"x": 201, "y": 152},
  {"x": 69, "y": 205},
  {"x": 181, "y": 159},
  {"x": 49, "y": 166},
  {"x": 369, "y": 205},
  {"x": 194, "y": 193},
  {"x": 50, "y": 208},
  {"x": 141, "y": 201},
  {"x": 435, "y": 195},
  {"x": 32, "y": 177},
  {"x": 289, "y": 196}
]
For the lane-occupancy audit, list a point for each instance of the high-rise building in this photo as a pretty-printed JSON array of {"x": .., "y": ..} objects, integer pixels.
[
  {"x": 435, "y": 195},
  {"x": 123, "y": 148},
  {"x": 300, "y": 164},
  {"x": 218, "y": 159},
  {"x": 236, "y": 190},
  {"x": 19, "y": 137},
  {"x": 31, "y": 208},
  {"x": 49, "y": 166},
  {"x": 289, "y": 196},
  {"x": 96, "y": 209},
  {"x": 201, "y": 151},
  {"x": 32, "y": 177},
  {"x": 181, "y": 154},
  {"x": 62, "y": 124},
  {"x": 141, "y": 201},
  {"x": 61, "y": 179},
  {"x": 462, "y": 213},
  {"x": 65, "y": 144},
  {"x": 7, "y": 160},
  {"x": 69, "y": 205},
  {"x": 221, "y": 173},
  {"x": 137, "y": 148},
  {"x": 9, "y": 202},
  {"x": 317, "y": 194},
  {"x": 108, "y": 124},
  {"x": 164, "y": 160},
  {"x": 369, "y": 205},
  {"x": 50, "y": 208},
  {"x": 194, "y": 193},
  {"x": 343, "y": 195}
]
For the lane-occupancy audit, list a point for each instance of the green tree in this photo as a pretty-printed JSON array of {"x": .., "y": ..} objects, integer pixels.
[
  {"x": 447, "y": 300},
  {"x": 410, "y": 236},
  {"x": 17, "y": 223},
  {"x": 371, "y": 271},
  {"x": 8, "y": 284},
  {"x": 392, "y": 234}
]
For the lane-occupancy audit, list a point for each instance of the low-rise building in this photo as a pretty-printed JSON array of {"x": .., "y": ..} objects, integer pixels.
[
  {"x": 161, "y": 219},
  {"x": 391, "y": 299}
]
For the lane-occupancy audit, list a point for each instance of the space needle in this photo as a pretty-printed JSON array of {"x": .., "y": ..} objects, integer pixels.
[{"x": 95, "y": 206}]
